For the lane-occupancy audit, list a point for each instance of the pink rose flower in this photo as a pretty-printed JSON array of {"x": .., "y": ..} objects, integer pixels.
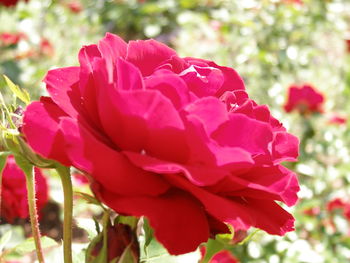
[
  {"x": 223, "y": 256},
  {"x": 120, "y": 237},
  {"x": 299, "y": 2},
  {"x": 14, "y": 201},
  {"x": 75, "y": 6},
  {"x": 334, "y": 204},
  {"x": 174, "y": 139},
  {"x": 336, "y": 119},
  {"x": 304, "y": 99},
  {"x": 7, "y": 38},
  {"x": 46, "y": 47}
]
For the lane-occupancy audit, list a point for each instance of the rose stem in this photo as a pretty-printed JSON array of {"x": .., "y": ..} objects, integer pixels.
[
  {"x": 33, "y": 213},
  {"x": 64, "y": 173}
]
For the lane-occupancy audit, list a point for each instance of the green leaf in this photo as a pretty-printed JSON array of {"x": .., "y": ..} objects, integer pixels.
[
  {"x": 101, "y": 237},
  {"x": 226, "y": 238},
  {"x": 4, "y": 239},
  {"x": 26, "y": 167},
  {"x": 23, "y": 95},
  {"x": 213, "y": 246},
  {"x": 88, "y": 198},
  {"x": 148, "y": 233},
  {"x": 156, "y": 253},
  {"x": 6, "y": 117},
  {"x": 127, "y": 256},
  {"x": 88, "y": 257},
  {"x": 28, "y": 245}
]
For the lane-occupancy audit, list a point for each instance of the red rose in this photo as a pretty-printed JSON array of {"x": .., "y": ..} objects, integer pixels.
[
  {"x": 46, "y": 47},
  {"x": 336, "y": 119},
  {"x": 9, "y": 3},
  {"x": 75, "y": 6},
  {"x": 174, "y": 139},
  {"x": 120, "y": 237},
  {"x": 304, "y": 99},
  {"x": 299, "y": 2},
  {"x": 7, "y": 38},
  {"x": 334, "y": 204},
  {"x": 14, "y": 201},
  {"x": 223, "y": 256}
]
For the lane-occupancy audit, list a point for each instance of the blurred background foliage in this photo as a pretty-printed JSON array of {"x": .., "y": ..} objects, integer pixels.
[{"x": 271, "y": 43}]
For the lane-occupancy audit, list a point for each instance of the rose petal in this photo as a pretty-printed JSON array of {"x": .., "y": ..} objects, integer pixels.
[
  {"x": 140, "y": 119},
  {"x": 147, "y": 55},
  {"x": 232, "y": 80},
  {"x": 86, "y": 81},
  {"x": 112, "y": 47},
  {"x": 171, "y": 86},
  {"x": 203, "y": 81},
  {"x": 59, "y": 84},
  {"x": 241, "y": 213},
  {"x": 43, "y": 118},
  {"x": 210, "y": 111},
  {"x": 274, "y": 183},
  {"x": 196, "y": 174},
  {"x": 107, "y": 165},
  {"x": 246, "y": 133},
  {"x": 285, "y": 147},
  {"x": 174, "y": 216}
]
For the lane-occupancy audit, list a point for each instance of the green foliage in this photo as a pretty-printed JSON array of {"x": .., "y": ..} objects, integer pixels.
[
  {"x": 156, "y": 253},
  {"x": 212, "y": 247},
  {"x": 23, "y": 95},
  {"x": 26, "y": 246},
  {"x": 149, "y": 235}
]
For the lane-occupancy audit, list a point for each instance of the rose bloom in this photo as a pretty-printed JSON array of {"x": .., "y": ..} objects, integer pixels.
[
  {"x": 334, "y": 204},
  {"x": 75, "y": 6},
  {"x": 14, "y": 201},
  {"x": 174, "y": 139},
  {"x": 305, "y": 99},
  {"x": 339, "y": 204},
  {"x": 7, "y": 38},
  {"x": 299, "y": 2},
  {"x": 223, "y": 256},
  {"x": 46, "y": 48},
  {"x": 120, "y": 237},
  {"x": 9, "y": 3},
  {"x": 336, "y": 119}
]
